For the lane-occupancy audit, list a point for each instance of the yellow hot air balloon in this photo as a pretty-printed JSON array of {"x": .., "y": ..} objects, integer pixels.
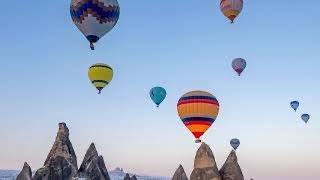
[{"x": 100, "y": 75}]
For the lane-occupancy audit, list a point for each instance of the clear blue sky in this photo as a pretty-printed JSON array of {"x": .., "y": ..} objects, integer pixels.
[{"x": 182, "y": 46}]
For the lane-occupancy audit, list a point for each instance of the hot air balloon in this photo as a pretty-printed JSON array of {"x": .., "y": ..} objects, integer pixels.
[
  {"x": 235, "y": 143},
  {"x": 100, "y": 75},
  {"x": 239, "y": 65},
  {"x": 294, "y": 105},
  {"x": 305, "y": 117},
  {"x": 158, "y": 94},
  {"x": 231, "y": 8},
  {"x": 94, "y": 18},
  {"x": 198, "y": 110}
]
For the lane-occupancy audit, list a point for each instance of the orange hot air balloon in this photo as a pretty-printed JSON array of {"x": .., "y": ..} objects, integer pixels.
[
  {"x": 231, "y": 8},
  {"x": 198, "y": 110}
]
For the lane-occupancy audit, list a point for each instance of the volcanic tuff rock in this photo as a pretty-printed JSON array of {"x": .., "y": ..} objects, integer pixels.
[
  {"x": 180, "y": 174},
  {"x": 61, "y": 162},
  {"x": 25, "y": 173},
  {"x": 231, "y": 169},
  {"x": 205, "y": 167},
  {"x": 127, "y": 177},
  {"x": 93, "y": 166},
  {"x": 62, "y": 147}
]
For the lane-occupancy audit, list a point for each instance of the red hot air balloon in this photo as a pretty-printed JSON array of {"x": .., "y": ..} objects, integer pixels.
[{"x": 198, "y": 110}]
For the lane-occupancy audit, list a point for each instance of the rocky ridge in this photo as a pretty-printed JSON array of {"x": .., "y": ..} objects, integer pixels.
[{"x": 205, "y": 167}]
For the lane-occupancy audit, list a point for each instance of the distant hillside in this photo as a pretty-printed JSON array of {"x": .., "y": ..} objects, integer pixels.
[
  {"x": 116, "y": 174},
  {"x": 8, "y": 174}
]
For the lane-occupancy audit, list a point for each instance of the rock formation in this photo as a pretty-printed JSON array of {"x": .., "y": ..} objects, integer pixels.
[
  {"x": 93, "y": 166},
  {"x": 61, "y": 162},
  {"x": 180, "y": 174},
  {"x": 127, "y": 177},
  {"x": 25, "y": 173},
  {"x": 231, "y": 169},
  {"x": 205, "y": 167}
]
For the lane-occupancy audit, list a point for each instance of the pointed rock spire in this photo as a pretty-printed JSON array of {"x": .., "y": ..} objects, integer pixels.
[
  {"x": 62, "y": 146},
  {"x": 61, "y": 162},
  {"x": 231, "y": 169},
  {"x": 26, "y": 173},
  {"x": 180, "y": 174},
  {"x": 90, "y": 154},
  {"x": 93, "y": 165},
  {"x": 134, "y": 177},
  {"x": 205, "y": 167},
  {"x": 127, "y": 177}
]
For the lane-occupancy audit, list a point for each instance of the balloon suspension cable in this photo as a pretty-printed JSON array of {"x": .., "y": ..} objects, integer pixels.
[
  {"x": 91, "y": 46},
  {"x": 198, "y": 141}
]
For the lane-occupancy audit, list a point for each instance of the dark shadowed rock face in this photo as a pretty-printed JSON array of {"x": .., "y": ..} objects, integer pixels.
[
  {"x": 57, "y": 168},
  {"x": 180, "y": 174},
  {"x": 25, "y": 173},
  {"x": 231, "y": 169},
  {"x": 93, "y": 166},
  {"x": 127, "y": 177},
  {"x": 134, "y": 177},
  {"x": 62, "y": 147},
  {"x": 61, "y": 162},
  {"x": 205, "y": 167}
]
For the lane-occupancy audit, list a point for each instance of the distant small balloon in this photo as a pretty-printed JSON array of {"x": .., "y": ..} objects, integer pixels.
[
  {"x": 305, "y": 117},
  {"x": 239, "y": 65},
  {"x": 294, "y": 105},
  {"x": 231, "y": 8},
  {"x": 158, "y": 94},
  {"x": 235, "y": 143}
]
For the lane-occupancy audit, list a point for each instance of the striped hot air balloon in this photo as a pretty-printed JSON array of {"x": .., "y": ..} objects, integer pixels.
[
  {"x": 94, "y": 18},
  {"x": 100, "y": 75},
  {"x": 198, "y": 110},
  {"x": 231, "y": 8}
]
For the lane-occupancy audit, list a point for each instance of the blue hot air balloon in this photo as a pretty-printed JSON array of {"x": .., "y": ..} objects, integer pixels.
[
  {"x": 235, "y": 143},
  {"x": 94, "y": 18},
  {"x": 294, "y": 105},
  {"x": 158, "y": 94},
  {"x": 305, "y": 117}
]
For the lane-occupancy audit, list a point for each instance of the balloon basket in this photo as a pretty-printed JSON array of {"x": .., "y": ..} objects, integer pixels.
[{"x": 198, "y": 141}]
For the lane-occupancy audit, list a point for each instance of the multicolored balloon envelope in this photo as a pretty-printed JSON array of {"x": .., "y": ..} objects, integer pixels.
[
  {"x": 305, "y": 117},
  {"x": 239, "y": 65},
  {"x": 231, "y": 8},
  {"x": 235, "y": 143},
  {"x": 158, "y": 94},
  {"x": 198, "y": 110},
  {"x": 94, "y": 18},
  {"x": 294, "y": 105},
  {"x": 100, "y": 75}
]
